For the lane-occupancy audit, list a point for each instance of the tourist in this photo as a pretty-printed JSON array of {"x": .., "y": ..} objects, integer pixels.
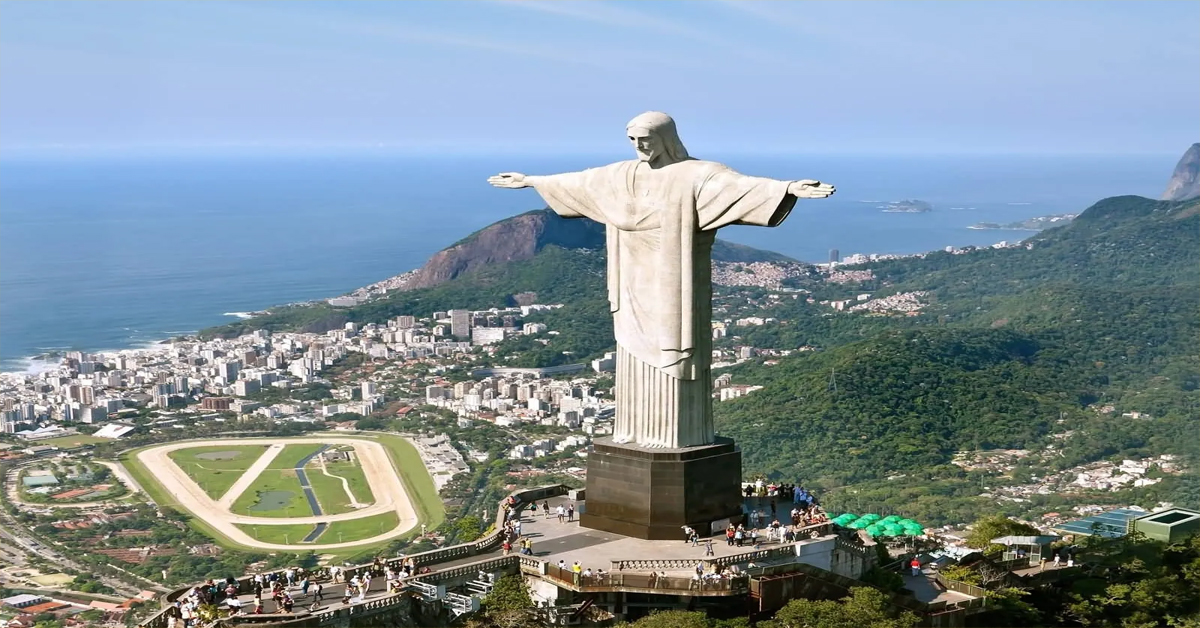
[
  {"x": 587, "y": 576},
  {"x": 571, "y": 513},
  {"x": 315, "y": 606},
  {"x": 562, "y": 513},
  {"x": 708, "y": 548},
  {"x": 318, "y": 592},
  {"x": 689, "y": 535},
  {"x": 562, "y": 564},
  {"x": 346, "y": 597},
  {"x": 1057, "y": 559},
  {"x": 730, "y": 531},
  {"x": 507, "y": 547},
  {"x": 916, "y": 566},
  {"x": 577, "y": 570},
  {"x": 739, "y": 535}
]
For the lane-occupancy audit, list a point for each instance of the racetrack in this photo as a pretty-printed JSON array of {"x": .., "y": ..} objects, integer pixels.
[{"x": 383, "y": 478}]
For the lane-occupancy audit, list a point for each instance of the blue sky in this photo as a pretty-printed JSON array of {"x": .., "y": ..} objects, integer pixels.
[{"x": 565, "y": 76}]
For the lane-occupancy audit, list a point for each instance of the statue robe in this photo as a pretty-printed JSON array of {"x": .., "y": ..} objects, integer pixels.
[{"x": 660, "y": 228}]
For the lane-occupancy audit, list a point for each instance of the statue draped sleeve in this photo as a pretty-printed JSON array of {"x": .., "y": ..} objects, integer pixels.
[
  {"x": 726, "y": 197},
  {"x": 595, "y": 193}
]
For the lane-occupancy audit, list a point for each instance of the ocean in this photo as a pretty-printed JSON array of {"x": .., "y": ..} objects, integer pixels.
[{"x": 117, "y": 252}]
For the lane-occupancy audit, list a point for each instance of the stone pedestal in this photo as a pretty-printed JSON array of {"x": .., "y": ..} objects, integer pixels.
[{"x": 652, "y": 493}]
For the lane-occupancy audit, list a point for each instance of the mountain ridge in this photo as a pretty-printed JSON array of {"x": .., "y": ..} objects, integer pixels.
[{"x": 523, "y": 236}]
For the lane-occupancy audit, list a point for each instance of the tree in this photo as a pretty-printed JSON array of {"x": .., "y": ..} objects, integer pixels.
[
  {"x": 508, "y": 605},
  {"x": 467, "y": 529},
  {"x": 988, "y": 528},
  {"x": 673, "y": 619},
  {"x": 863, "y": 608}
]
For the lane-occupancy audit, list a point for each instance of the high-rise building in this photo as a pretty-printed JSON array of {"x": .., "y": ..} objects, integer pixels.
[
  {"x": 834, "y": 256},
  {"x": 229, "y": 370},
  {"x": 460, "y": 324}
]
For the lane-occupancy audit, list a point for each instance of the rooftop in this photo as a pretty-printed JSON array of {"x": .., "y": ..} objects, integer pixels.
[{"x": 1111, "y": 524}]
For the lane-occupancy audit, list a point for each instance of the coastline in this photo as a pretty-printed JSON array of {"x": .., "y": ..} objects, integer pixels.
[{"x": 37, "y": 364}]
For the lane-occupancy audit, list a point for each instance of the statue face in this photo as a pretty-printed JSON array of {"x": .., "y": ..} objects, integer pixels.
[{"x": 647, "y": 145}]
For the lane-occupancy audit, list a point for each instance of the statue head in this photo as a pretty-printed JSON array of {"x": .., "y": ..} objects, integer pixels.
[{"x": 655, "y": 139}]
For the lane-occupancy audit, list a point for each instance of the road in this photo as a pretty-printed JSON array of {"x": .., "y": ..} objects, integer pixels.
[
  {"x": 383, "y": 479},
  {"x": 33, "y": 547}
]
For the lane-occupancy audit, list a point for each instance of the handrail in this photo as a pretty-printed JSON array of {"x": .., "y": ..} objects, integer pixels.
[
  {"x": 961, "y": 587},
  {"x": 767, "y": 553},
  {"x": 430, "y": 557}
]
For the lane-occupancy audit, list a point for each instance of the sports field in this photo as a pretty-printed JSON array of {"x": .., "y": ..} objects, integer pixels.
[
  {"x": 216, "y": 468},
  {"x": 275, "y": 493},
  {"x": 254, "y": 500}
]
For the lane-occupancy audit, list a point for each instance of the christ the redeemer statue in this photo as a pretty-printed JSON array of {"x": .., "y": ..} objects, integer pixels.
[{"x": 662, "y": 211}]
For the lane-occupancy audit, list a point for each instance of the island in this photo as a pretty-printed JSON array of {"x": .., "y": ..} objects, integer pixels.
[
  {"x": 907, "y": 207},
  {"x": 1032, "y": 224}
]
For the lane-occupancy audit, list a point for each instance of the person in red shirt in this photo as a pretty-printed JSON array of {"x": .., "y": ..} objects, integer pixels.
[{"x": 916, "y": 566}]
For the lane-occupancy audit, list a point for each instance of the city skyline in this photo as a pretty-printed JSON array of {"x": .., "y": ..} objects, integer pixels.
[{"x": 563, "y": 77}]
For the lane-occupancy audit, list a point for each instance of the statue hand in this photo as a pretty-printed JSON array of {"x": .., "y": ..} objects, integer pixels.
[
  {"x": 808, "y": 188},
  {"x": 510, "y": 180}
]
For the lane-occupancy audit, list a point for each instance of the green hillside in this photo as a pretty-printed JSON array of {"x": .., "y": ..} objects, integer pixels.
[{"x": 1018, "y": 344}]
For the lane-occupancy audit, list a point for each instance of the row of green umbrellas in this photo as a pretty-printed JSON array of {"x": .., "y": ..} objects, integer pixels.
[{"x": 876, "y": 525}]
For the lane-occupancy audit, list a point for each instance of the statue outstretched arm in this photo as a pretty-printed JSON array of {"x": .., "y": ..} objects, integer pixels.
[
  {"x": 512, "y": 180},
  {"x": 727, "y": 197},
  {"x": 808, "y": 188},
  {"x": 571, "y": 194}
]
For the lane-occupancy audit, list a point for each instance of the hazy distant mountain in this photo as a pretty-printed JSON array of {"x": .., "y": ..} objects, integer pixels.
[{"x": 1185, "y": 181}]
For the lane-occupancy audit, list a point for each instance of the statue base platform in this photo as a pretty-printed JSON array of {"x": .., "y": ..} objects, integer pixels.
[{"x": 652, "y": 493}]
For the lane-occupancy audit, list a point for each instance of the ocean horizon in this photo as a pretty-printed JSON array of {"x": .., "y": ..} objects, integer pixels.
[{"x": 108, "y": 253}]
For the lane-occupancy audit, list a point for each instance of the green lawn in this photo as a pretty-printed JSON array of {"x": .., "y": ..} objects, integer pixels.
[
  {"x": 276, "y": 493},
  {"x": 337, "y": 532},
  {"x": 356, "y": 529},
  {"x": 331, "y": 493},
  {"x": 292, "y": 454},
  {"x": 74, "y": 440},
  {"x": 216, "y": 468},
  {"x": 404, "y": 457},
  {"x": 417, "y": 481},
  {"x": 284, "y": 534}
]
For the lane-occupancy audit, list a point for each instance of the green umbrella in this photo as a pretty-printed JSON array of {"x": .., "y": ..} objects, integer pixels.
[
  {"x": 914, "y": 530},
  {"x": 871, "y": 517},
  {"x": 891, "y": 518},
  {"x": 906, "y": 522},
  {"x": 848, "y": 516}
]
